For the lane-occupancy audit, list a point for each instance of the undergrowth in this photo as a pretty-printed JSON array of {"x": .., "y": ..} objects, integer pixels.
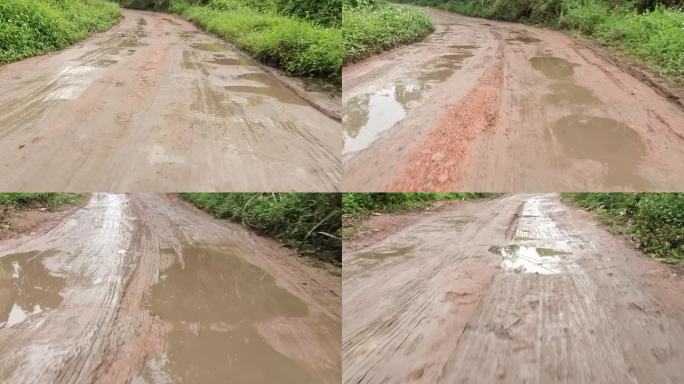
[
  {"x": 653, "y": 221},
  {"x": 43, "y": 199},
  {"x": 364, "y": 203},
  {"x": 34, "y": 27},
  {"x": 309, "y": 222},
  {"x": 652, "y": 31},
  {"x": 372, "y": 26}
]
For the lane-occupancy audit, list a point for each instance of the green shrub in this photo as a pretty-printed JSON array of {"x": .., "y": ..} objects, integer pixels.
[
  {"x": 655, "y": 221},
  {"x": 372, "y": 27},
  {"x": 43, "y": 199},
  {"x": 361, "y": 203},
  {"x": 33, "y": 27},
  {"x": 307, "y": 221}
]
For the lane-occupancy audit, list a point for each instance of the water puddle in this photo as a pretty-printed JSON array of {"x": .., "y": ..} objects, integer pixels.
[
  {"x": 553, "y": 67},
  {"x": 283, "y": 95},
  {"x": 212, "y": 304},
  {"x": 386, "y": 253},
  {"x": 367, "y": 116},
  {"x": 522, "y": 38},
  {"x": 26, "y": 287},
  {"x": 210, "y": 47},
  {"x": 222, "y": 60},
  {"x": 524, "y": 259},
  {"x": 565, "y": 93},
  {"x": 613, "y": 144}
]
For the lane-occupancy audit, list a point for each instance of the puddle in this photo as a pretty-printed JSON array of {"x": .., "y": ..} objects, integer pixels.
[
  {"x": 613, "y": 144},
  {"x": 281, "y": 94},
  {"x": 212, "y": 304},
  {"x": 523, "y": 259},
  {"x": 26, "y": 287},
  {"x": 553, "y": 67},
  {"x": 523, "y": 38},
  {"x": 210, "y": 47},
  {"x": 226, "y": 61},
  {"x": 386, "y": 254},
  {"x": 380, "y": 111},
  {"x": 565, "y": 93},
  {"x": 446, "y": 66}
]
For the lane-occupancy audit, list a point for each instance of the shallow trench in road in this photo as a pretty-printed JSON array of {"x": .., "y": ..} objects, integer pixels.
[
  {"x": 143, "y": 288},
  {"x": 494, "y": 106}
]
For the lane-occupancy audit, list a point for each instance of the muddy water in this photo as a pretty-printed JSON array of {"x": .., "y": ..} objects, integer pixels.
[
  {"x": 616, "y": 146},
  {"x": 212, "y": 304},
  {"x": 210, "y": 47},
  {"x": 26, "y": 287},
  {"x": 525, "y": 259},
  {"x": 269, "y": 87},
  {"x": 368, "y": 115},
  {"x": 553, "y": 67}
]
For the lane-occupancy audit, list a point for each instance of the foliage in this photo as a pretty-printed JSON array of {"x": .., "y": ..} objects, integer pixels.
[
  {"x": 307, "y": 221},
  {"x": 650, "y": 30},
  {"x": 655, "y": 221},
  {"x": 33, "y": 27},
  {"x": 361, "y": 203},
  {"x": 372, "y": 26},
  {"x": 44, "y": 199}
]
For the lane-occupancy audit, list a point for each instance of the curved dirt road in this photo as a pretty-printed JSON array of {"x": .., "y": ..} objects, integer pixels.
[
  {"x": 482, "y": 105},
  {"x": 146, "y": 289},
  {"x": 519, "y": 289},
  {"x": 156, "y": 105}
]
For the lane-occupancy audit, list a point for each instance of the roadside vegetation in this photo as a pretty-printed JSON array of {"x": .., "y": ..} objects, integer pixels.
[
  {"x": 365, "y": 203},
  {"x": 302, "y": 37},
  {"x": 653, "y": 221},
  {"x": 372, "y": 26},
  {"x": 33, "y": 27},
  {"x": 309, "y": 222},
  {"x": 35, "y": 200},
  {"x": 650, "y": 30}
]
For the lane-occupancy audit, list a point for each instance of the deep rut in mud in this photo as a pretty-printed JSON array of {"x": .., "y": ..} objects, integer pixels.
[
  {"x": 145, "y": 289},
  {"x": 494, "y": 106},
  {"x": 522, "y": 288}
]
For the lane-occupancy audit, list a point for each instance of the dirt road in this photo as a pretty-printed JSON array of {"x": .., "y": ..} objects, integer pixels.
[
  {"x": 146, "y": 289},
  {"x": 492, "y": 106},
  {"x": 520, "y": 289},
  {"x": 156, "y": 105}
]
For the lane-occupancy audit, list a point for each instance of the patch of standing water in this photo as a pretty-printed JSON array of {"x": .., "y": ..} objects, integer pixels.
[
  {"x": 213, "y": 304},
  {"x": 524, "y": 259},
  {"x": 26, "y": 287}
]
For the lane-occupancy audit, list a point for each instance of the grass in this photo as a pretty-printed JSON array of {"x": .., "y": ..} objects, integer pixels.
[
  {"x": 653, "y": 221},
  {"x": 47, "y": 199},
  {"x": 309, "y": 222},
  {"x": 365, "y": 203},
  {"x": 654, "y": 34},
  {"x": 33, "y": 27},
  {"x": 370, "y": 27},
  {"x": 298, "y": 45}
]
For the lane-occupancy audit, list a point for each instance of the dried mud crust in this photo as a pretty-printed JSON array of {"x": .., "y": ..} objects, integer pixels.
[
  {"x": 130, "y": 282},
  {"x": 520, "y": 288}
]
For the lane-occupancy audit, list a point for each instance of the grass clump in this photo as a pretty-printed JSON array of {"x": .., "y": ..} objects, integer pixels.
[
  {"x": 654, "y": 221},
  {"x": 364, "y": 203},
  {"x": 370, "y": 27},
  {"x": 34, "y": 27},
  {"x": 43, "y": 199},
  {"x": 309, "y": 222},
  {"x": 652, "y": 31}
]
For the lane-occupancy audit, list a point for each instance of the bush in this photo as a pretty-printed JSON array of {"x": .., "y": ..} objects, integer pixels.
[
  {"x": 372, "y": 27},
  {"x": 653, "y": 220},
  {"x": 362, "y": 203},
  {"x": 33, "y": 27},
  {"x": 46, "y": 199},
  {"x": 307, "y": 221}
]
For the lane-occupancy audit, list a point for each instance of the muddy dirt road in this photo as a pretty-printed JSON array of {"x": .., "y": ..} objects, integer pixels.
[
  {"x": 156, "y": 105},
  {"x": 146, "y": 289},
  {"x": 520, "y": 289},
  {"x": 492, "y": 106}
]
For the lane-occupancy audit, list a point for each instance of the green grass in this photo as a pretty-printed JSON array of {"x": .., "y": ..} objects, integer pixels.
[
  {"x": 364, "y": 203},
  {"x": 370, "y": 27},
  {"x": 309, "y": 222},
  {"x": 47, "y": 199},
  {"x": 299, "y": 46},
  {"x": 654, "y": 221},
  {"x": 34, "y": 27},
  {"x": 642, "y": 29}
]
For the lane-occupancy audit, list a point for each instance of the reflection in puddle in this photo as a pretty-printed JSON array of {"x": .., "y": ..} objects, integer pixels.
[
  {"x": 212, "y": 304},
  {"x": 381, "y": 111},
  {"x": 26, "y": 287},
  {"x": 553, "y": 67},
  {"x": 272, "y": 88},
  {"x": 613, "y": 144},
  {"x": 523, "y": 259},
  {"x": 210, "y": 47},
  {"x": 226, "y": 61}
]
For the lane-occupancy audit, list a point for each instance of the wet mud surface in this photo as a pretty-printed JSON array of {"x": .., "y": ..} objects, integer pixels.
[
  {"x": 149, "y": 103},
  {"x": 524, "y": 289},
  {"x": 558, "y": 109},
  {"x": 146, "y": 289}
]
